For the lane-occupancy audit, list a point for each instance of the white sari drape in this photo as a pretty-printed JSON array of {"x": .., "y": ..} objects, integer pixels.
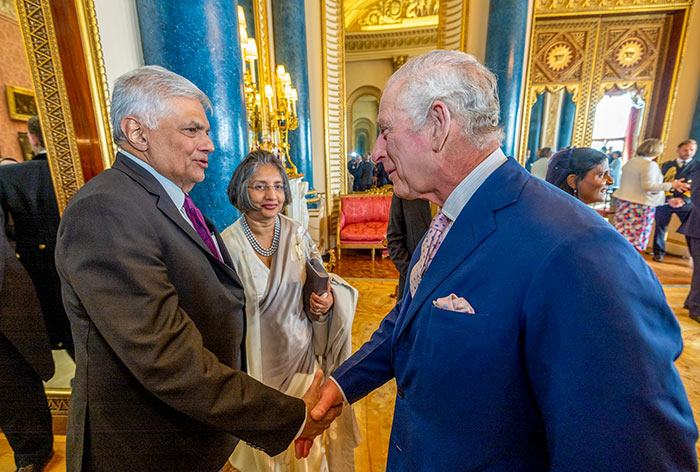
[{"x": 284, "y": 348}]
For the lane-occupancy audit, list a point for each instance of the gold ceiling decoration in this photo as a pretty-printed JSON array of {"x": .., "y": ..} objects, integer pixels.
[
  {"x": 558, "y": 7},
  {"x": 392, "y": 14}
]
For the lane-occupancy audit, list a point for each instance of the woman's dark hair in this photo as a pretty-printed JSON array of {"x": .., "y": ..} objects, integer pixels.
[
  {"x": 576, "y": 161},
  {"x": 238, "y": 187}
]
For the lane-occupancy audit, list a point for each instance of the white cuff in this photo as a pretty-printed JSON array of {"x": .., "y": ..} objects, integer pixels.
[
  {"x": 345, "y": 399},
  {"x": 306, "y": 415}
]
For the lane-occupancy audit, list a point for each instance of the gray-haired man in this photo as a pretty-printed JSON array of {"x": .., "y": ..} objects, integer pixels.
[{"x": 155, "y": 307}]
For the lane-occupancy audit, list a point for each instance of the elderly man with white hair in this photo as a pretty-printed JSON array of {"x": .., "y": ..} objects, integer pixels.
[{"x": 509, "y": 350}]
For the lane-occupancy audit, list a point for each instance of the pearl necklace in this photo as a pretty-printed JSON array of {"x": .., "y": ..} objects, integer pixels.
[{"x": 254, "y": 242}]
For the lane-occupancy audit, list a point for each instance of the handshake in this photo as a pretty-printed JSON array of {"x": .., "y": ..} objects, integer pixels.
[{"x": 323, "y": 405}]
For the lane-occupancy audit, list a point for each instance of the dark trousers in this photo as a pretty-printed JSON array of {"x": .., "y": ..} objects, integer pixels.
[
  {"x": 692, "y": 302},
  {"x": 662, "y": 217},
  {"x": 25, "y": 417}
]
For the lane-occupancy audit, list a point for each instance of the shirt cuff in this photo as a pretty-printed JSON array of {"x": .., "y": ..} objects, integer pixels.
[
  {"x": 306, "y": 415},
  {"x": 345, "y": 399}
]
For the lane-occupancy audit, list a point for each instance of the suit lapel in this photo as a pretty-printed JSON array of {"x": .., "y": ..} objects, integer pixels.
[
  {"x": 474, "y": 224},
  {"x": 167, "y": 207}
]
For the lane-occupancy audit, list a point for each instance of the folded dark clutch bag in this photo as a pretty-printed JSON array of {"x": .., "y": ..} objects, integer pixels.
[{"x": 316, "y": 282}]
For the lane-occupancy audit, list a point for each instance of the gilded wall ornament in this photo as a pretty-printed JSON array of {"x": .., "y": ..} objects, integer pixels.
[
  {"x": 558, "y": 7},
  {"x": 630, "y": 53},
  {"x": 393, "y": 12},
  {"x": 559, "y": 56}
]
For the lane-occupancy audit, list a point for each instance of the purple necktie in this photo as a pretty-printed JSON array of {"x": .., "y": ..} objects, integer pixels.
[
  {"x": 200, "y": 226},
  {"x": 430, "y": 246}
]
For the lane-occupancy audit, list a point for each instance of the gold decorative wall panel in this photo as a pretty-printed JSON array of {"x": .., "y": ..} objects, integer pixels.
[
  {"x": 334, "y": 106},
  {"x": 579, "y": 7},
  {"x": 628, "y": 58},
  {"x": 561, "y": 58},
  {"x": 591, "y": 55},
  {"x": 51, "y": 96}
]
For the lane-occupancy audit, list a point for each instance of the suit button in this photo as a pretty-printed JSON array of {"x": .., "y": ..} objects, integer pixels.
[
  {"x": 42, "y": 246},
  {"x": 400, "y": 393}
]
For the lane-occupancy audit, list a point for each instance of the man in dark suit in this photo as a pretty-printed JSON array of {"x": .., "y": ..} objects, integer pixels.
[
  {"x": 366, "y": 173},
  {"x": 676, "y": 202},
  {"x": 509, "y": 350},
  {"x": 408, "y": 222},
  {"x": 25, "y": 359},
  {"x": 691, "y": 229},
  {"x": 156, "y": 310},
  {"x": 353, "y": 169},
  {"x": 27, "y": 196}
]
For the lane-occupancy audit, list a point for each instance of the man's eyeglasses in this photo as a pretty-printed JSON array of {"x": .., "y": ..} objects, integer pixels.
[{"x": 260, "y": 188}]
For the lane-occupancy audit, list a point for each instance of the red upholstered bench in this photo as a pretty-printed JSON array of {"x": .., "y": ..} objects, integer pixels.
[{"x": 363, "y": 222}]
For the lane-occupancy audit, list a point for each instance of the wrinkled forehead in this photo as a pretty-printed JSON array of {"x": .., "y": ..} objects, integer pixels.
[{"x": 389, "y": 103}]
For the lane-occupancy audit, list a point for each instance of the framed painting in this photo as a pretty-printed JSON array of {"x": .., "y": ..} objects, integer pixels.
[
  {"x": 27, "y": 151},
  {"x": 20, "y": 103}
]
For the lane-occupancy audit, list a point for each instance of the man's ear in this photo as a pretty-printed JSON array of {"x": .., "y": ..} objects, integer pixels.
[
  {"x": 440, "y": 119},
  {"x": 571, "y": 181},
  {"x": 134, "y": 132}
]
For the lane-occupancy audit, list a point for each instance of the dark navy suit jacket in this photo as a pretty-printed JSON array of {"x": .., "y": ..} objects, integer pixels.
[{"x": 555, "y": 370}]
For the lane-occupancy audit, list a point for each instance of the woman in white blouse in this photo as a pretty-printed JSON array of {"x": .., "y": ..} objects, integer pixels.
[{"x": 641, "y": 190}]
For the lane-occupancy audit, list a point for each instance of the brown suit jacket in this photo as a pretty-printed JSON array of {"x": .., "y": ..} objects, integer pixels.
[{"x": 158, "y": 324}]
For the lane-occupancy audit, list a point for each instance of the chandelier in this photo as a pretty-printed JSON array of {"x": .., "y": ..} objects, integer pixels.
[{"x": 271, "y": 107}]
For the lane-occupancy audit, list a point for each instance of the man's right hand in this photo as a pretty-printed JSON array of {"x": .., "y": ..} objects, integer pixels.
[
  {"x": 323, "y": 405},
  {"x": 316, "y": 422}
]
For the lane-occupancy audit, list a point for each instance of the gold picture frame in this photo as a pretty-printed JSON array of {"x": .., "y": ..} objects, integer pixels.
[
  {"x": 25, "y": 146},
  {"x": 20, "y": 103}
]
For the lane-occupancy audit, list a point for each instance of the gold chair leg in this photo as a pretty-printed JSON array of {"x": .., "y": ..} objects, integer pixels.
[{"x": 372, "y": 254}]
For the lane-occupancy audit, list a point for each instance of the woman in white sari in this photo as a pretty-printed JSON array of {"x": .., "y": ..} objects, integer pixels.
[{"x": 285, "y": 345}]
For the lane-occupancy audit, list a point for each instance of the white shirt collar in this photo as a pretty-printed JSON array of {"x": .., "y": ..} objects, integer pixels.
[
  {"x": 461, "y": 195},
  {"x": 174, "y": 192}
]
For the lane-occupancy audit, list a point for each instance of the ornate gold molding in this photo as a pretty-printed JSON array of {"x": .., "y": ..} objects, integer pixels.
[
  {"x": 97, "y": 77},
  {"x": 40, "y": 44},
  {"x": 398, "y": 13},
  {"x": 452, "y": 25},
  {"x": 578, "y": 7},
  {"x": 386, "y": 44},
  {"x": 615, "y": 69},
  {"x": 334, "y": 105}
]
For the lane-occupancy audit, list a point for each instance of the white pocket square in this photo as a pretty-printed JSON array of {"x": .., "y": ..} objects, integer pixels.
[{"x": 454, "y": 303}]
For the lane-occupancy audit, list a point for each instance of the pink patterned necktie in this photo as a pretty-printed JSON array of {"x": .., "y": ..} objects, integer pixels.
[
  {"x": 430, "y": 246},
  {"x": 200, "y": 226}
]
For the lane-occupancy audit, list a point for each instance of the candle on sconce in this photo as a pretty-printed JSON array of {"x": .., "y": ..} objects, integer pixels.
[
  {"x": 268, "y": 94},
  {"x": 280, "y": 71},
  {"x": 293, "y": 98}
]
